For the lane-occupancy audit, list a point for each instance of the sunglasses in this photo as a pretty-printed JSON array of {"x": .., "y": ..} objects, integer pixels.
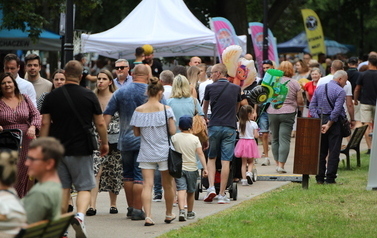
[{"x": 121, "y": 67}]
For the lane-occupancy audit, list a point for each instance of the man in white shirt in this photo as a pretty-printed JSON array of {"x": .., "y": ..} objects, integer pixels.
[
  {"x": 335, "y": 66},
  {"x": 33, "y": 67},
  {"x": 167, "y": 78},
  {"x": 12, "y": 66}
]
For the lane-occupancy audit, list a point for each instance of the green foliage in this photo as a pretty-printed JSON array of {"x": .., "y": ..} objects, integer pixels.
[
  {"x": 38, "y": 14},
  {"x": 346, "y": 210}
]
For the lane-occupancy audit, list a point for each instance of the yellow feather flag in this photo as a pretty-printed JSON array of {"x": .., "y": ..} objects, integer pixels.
[{"x": 314, "y": 33}]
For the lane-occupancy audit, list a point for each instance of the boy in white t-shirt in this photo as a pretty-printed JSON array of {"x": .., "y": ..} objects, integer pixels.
[{"x": 189, "y": 145}]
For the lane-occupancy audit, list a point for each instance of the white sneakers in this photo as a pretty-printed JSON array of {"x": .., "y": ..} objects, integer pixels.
[
  {"x": 223, "y": 199},
  {"x": 266, "y": 162},
  {"x": 249, "y": 177},
  {"x": 244, "y": 182},
  {"x": 280, "y": 170},
  {"x": 211, "y": 193},
  {"x": 79, "y": 227}
]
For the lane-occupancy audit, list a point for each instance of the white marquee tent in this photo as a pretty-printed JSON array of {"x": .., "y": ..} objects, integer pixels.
[{"x": 167, "y": 25}]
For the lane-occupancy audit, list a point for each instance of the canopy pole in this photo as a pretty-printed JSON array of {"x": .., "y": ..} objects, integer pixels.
[{"x": 68, "y": 45}]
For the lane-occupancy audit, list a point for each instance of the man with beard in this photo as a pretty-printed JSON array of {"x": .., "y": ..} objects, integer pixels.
[
  {"x": 155, "y": 64},
  {"x": 33, "y": 67}
]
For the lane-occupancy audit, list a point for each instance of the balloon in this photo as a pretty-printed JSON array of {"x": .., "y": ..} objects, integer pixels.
[
  {"x": 271, "y": 90},
  {"x": 240, "y": 70}
]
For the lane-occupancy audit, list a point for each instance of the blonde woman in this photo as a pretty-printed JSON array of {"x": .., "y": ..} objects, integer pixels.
[
  {"x": 193, "y": 76},
  {"x": 107, "y": 169},
  {"x": 181, "y": 100}
]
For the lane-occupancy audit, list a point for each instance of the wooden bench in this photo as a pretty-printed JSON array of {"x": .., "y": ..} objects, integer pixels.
[
  {"x": 354, "y": 144},
  {"x": 56, "y": 229},
  {"x": 34, "y": 230},
  {"x": 47, "y": 229}
]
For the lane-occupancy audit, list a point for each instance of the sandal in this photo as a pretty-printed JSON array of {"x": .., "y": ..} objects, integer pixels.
[
  {"x": 150, "y": 223},
  {"x": 171, "y": 218},
  {"x": 113, "y": 210},
  {"x": 91, "y": 212}
]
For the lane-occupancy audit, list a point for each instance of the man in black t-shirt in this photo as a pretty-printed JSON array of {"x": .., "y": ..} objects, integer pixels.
[
  {"x": 224, "y": 98},
  {"x": 155, "y": 64},
  {"x": 60, "y": 121},
  {"x": 366, "y": 88}
]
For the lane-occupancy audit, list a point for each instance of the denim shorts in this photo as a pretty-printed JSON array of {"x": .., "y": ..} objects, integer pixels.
[
  {"x": 131, "y": 170},
  {"x": 263, "y": 122},
  {"x": 221, "y": 142},
  {"x": 187, "y": 181},
  {"x": 161, "y": 166}
]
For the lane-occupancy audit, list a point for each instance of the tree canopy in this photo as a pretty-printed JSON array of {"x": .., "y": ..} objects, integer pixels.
[{"x": 346, "y": 21}]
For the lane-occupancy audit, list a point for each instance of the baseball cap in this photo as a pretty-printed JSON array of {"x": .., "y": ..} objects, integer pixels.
[
  {"x": 353, "y": 60},
  {"x": 185, "y": 122}
]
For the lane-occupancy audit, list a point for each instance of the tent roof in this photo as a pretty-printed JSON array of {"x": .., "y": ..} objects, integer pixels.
[
  {"x": 167, "y": 25},
  {"x": 299, "y": 43},
  {"x": 16, "y": 39}
]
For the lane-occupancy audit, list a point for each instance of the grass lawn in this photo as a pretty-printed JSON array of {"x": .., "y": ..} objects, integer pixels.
[{"x": 346, "y": 210}]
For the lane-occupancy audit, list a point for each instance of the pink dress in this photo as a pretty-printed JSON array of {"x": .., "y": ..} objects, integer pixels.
[
  {"x": 25, "y": 115},
  {"x": 246, "y": 146}
]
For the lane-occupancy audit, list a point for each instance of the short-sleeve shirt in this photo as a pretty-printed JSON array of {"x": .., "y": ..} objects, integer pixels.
[
  {"x": 187, "y": 143},
  {"x": 224, "y": 111},
  {"x": 125, "y": 100},
  {"x": 184, "y": 106},
  {"x": 154, "y": 145},
  {"x": 249, "y": 130},
  {"x": 43, "y": 202},
  {"x": 310, "y": 88},
  {"x": 11, "y": 207},
  {"x": 65, "y": 125},
  {"x": 368, "y": 80},
  {"x": 290, "y": 103}
]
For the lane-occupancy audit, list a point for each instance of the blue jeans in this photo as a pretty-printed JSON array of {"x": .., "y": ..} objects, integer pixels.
[
  {"x": 263, "y": 122},
  {"x": 131, "y": 170},
  {"x": 221, "y": 138},
  {"x": 157, "y": 182}
]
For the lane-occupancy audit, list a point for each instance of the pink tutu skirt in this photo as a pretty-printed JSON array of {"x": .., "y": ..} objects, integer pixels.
[{"x": 246, "y": 148}]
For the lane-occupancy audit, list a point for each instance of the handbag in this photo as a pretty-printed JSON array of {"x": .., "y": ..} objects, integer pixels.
[
  {"x": 199, "y": 127},
  {"x": 345, "y": 126},
  {"x": 174, "y": 157},
  {"x": 92, "y": 140}
]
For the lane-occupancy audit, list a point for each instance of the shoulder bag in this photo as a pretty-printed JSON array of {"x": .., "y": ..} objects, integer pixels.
[
  {"x": 174, "y": 157},
  {"x": 345, "y": 127},
  {"x": 92, "y": 140},
  {"x": 199, "y": 127}
]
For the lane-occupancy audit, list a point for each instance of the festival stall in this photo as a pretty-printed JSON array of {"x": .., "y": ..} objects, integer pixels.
[{"x": 167, "y": 25}]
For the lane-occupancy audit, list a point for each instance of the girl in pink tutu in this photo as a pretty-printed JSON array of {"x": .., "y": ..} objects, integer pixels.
[{"x": 246, "y": 147}]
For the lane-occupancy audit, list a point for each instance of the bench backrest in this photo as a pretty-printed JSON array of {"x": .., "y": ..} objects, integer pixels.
[
  {"x": 34, "y": 230},
  {"x": 56, "y": 229},
  {"x": 356, "y": 137}
]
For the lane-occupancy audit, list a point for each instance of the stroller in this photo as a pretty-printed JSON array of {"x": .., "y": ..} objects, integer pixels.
[
  {"x": 11, "y": 139},
  {"x": 231, "y": 186}
]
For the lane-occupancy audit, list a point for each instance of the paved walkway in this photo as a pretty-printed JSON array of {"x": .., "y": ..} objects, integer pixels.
[{"x": 116, "y": 225}]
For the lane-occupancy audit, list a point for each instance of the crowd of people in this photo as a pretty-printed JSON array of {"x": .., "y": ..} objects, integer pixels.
[{"x": 137, "y": 110}]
